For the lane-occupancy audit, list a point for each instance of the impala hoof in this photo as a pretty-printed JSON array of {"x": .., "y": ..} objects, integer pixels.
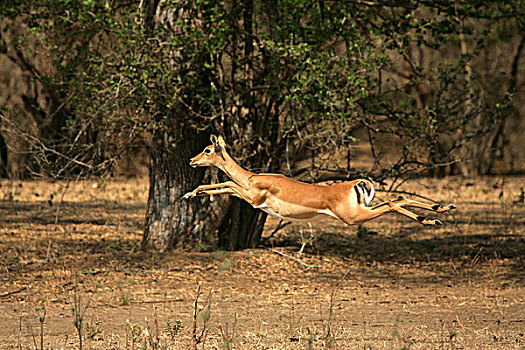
[
  {"x": 188, "y": 195},
  {"x": 441, "y": 209},
  {"x": 426, "y": 222}
]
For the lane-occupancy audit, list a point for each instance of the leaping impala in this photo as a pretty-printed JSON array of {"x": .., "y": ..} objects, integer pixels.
[{"x": 289, "y": 199}]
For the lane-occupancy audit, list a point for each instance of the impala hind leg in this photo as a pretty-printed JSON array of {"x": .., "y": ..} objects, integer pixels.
[
  {"x": 392, "y": 207},
  {"x": 438, "y": 208}
]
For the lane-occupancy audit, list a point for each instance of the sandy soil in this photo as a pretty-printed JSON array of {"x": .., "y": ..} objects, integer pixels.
[{"x": 72, "y": 258}]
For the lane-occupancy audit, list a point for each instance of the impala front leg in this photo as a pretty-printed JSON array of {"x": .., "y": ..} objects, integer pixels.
[
  {"x": 229, "y": 188},
  {"x": 212, "y": 192}
]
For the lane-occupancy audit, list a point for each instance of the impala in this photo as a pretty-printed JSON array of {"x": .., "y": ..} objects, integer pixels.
[{"x": 289, "y": 199}]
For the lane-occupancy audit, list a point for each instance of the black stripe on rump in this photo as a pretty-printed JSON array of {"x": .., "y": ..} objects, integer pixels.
[
  {"x": 363, "y": 186},
  {"x": 358, "y": 194},
  {"x": 367, "y": 191}
]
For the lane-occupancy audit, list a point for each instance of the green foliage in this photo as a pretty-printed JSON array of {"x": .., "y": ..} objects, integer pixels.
[{"x": 277, "y": 73}]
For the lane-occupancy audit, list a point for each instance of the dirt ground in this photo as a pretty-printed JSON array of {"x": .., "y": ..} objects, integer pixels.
[{"x": 70, "y": 263}]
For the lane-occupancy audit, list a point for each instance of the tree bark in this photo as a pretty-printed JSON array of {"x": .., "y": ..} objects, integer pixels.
[{"x": 173, "y": 223}]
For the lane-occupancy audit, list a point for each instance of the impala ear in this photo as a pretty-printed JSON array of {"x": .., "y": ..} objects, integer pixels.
[
  {"x": 221, "y": 141},
  {"x": 217, "y": 144}
]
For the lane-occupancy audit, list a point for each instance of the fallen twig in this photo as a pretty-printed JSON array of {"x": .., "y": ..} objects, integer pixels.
[
  {"x": 295, "y": 259},
  {"x": 13, "y": 292}
]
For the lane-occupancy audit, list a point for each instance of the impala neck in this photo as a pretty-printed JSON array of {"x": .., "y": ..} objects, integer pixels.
[{"x": 234, "y": 170}]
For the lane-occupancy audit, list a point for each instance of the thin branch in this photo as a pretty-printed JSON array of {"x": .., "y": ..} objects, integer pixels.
[
  {"x": 277, "y": 229},
  {"x": 42, "y": 146},
  {"x": 407, "y": 193}
]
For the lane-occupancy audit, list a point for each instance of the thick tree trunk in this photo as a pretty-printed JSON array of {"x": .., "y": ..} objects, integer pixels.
[{"x": 173, "y": 223}]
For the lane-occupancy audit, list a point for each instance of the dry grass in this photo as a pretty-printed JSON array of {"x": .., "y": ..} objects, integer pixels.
[{"x": 399, "y": 286}]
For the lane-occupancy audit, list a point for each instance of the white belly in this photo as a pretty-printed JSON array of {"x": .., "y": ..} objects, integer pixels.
[
  {"x": 271, "y": 212},
  {"x": 317, "y": 215}
]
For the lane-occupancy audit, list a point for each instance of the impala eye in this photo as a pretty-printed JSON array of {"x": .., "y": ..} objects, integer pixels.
[{"x": 207, "y": 150}]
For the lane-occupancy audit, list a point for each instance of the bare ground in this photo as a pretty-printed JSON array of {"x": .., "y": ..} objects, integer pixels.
[{"x": 398, "y": 285}]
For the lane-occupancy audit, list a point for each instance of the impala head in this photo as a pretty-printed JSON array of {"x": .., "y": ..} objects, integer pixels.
[{"x": 212, "y": 154}]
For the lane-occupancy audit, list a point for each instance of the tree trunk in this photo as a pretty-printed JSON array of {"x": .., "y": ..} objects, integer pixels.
[{"x": 170, "y": 221}]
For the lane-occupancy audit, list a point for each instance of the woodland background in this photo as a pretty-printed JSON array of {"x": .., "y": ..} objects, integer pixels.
[{"x": 316, "y": 90}]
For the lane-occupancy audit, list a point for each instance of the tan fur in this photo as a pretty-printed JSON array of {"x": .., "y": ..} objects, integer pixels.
[{"x": 289, "y": 199}]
